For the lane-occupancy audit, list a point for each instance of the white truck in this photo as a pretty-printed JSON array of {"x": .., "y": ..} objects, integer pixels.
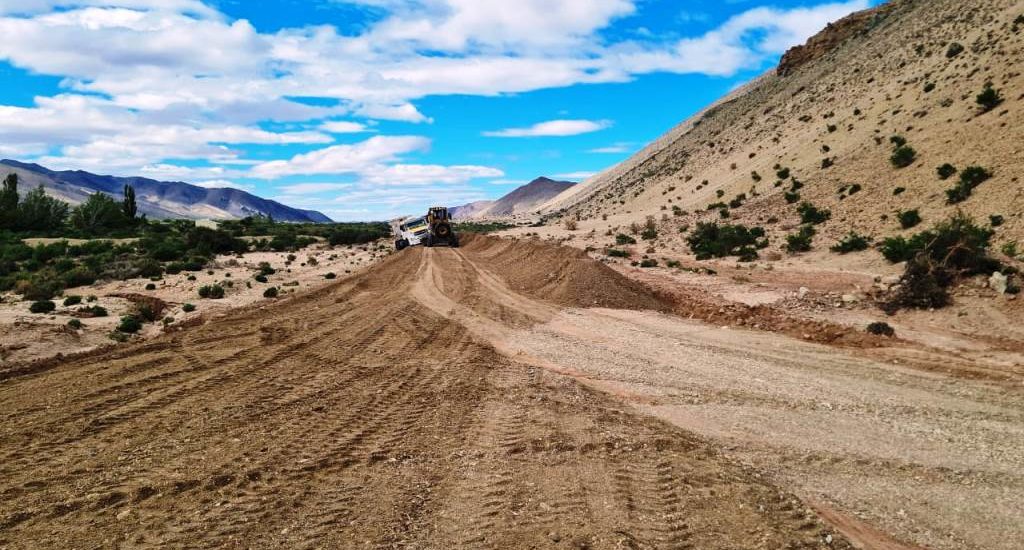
[{"x": 410, "y": 232}]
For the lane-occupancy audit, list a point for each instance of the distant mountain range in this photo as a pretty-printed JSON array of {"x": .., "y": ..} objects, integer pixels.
[
  {"x": 523, "y": 200},
  {"x": 157, "y": 199}
]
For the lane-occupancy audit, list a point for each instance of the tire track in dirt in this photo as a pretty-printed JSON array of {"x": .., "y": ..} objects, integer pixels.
[{"x": 372, "y": 411}]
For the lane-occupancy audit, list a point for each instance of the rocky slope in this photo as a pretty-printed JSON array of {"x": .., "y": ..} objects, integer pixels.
[
  {"x": 827, "y": 116},
  {"x": 157, "y": 199},
  {"x": 523, "y": 200}
]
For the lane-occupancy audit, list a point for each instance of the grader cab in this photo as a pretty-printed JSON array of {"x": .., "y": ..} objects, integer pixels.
[{"x": 441, "y": 232}]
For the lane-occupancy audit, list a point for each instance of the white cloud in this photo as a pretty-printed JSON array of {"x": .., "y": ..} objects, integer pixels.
[
  {"x": 344, "y": 127},
  {"x": 556, "y": 128},
  {"x": 225, "y": 184},
  {"x": 576, "y": 176},
  {"x": 343, "y": 159},
  {"x": 614, "y": 149},
  {"x": 312, "y": 188}
]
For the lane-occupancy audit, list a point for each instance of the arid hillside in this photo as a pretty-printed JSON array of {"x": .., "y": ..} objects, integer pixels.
[{"x": 824, "y": 129}]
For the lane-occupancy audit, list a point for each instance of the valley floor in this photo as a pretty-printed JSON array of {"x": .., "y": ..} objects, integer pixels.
[{"x": 508, "y": 394}]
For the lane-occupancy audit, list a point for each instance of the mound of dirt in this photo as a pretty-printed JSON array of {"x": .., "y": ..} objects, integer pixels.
[{"x": 560, "y": 274}]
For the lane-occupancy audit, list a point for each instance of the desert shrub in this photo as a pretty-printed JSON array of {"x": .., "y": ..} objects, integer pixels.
[
  {"x": 674, "y": 264},
  {"x": 649, "y": 234},
  {"x": 809, "y": 214},
  {"x": 188, "y": 308},
  {"x": 801, "y": 240},
  {"x": 954, "y": 50},
  {"x": 755, "y": 176},
  {"x": 881, "y": 329},
  {"x": 72, "y": 301},
  {"x": 130, "y": 324},
  {"x": 853, "y": 242},
  {"x": 649, "y": 263},
  {"x": 146, "y": 312},
  {"x": 903, "y": 156},
  {"x": 75, "y": 324},
  {"x": 260, "y": 278},
  {"x": 989, "y": 98},
  {"x": 970, "y": 178},
  {"x": 996, "y": 220},
  {"x": 571, "y": 225},
  {"x": 898, "y": 141},
  {"x": 622, "y": 239},
  {"x": 94, "y": 311},
  {"x": 151, "y": 286},
  {"x": 827, "y": 163},
  {"x": 330, "y": 276},
  {"x": 42, "y": 306},
  {"x": 42, "y": 286},
  {"x": 792, "y": 197},
  {"x": 720, "y": 193},
  {"x": 783, "y": 173},
  {"x": 615, "y": 253},
  {"x": 909, "y": 218},
  {"x": 213, "y": 292},
  {"x": 710, "y": 240},
  {"x": 265, "y": 269},
  {"x": 898, "y": 191},
  {"x": 271, "y": 292},
  {"x": 929, "y": 87},
  {"x": 946, "y": 171},
  {"x": 832, "y": 128}
]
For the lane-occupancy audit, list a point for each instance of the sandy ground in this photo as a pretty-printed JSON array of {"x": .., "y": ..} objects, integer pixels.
[
  {"x": 366, "y": 414},
  {"x": 26, "y": 337}
]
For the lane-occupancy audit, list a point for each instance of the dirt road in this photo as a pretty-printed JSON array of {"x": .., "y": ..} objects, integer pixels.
[{"x": 503, "y": 395}]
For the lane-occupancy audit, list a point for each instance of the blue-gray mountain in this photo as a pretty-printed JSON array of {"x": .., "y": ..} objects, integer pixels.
[
  {"x": 522, "y": 200},
  {"x": 157, "y": 199}
]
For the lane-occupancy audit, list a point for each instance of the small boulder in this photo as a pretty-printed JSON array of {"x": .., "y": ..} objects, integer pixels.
[{"x": 999, "y": 282}]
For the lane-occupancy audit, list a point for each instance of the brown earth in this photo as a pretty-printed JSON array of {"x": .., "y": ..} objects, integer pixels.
[
  {"x": 354, "y": 416},
  {"x": 464, "y": 398}
]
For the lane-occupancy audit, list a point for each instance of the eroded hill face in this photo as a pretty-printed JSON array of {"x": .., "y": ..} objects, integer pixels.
[{"x": 911, "y": 69}]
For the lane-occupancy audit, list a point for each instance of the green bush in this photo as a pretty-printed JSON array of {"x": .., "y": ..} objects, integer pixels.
[
  {"x": 188, "y": 308},
  {"x": 622, "y": 239},
  {"x": 42, "y": 306},
  {"x": 946, "y": 171},
  {"x": 710, "y": 240},
  {"x": 649, "y": 234},
  {"x": 783, "y": 173},
  {"x": 270, "y": 292},
  {"x": 330, "y": 276},
  {"x": 881, "y": 329},
  {"x": 72, "y": 301},
  {"x": 996, "y": 220},
  {"x": 955, "y": 49},
  {"x": 801, "y": 240},
  {"x": 792, "y": 197},
  {"x": 970, "y": 178},
  {"x": 75, "y": 324},
  {"x": 213, "y": 292},
  {"x": 260, "y": 278},
  {"x": 851, "y": 243},
  {"x": 94, "y": 311},
  {"x": 903, "y": 156},
  {"x": 909, "y": 218},
  {"x": 809, "y": 214},
  {"x": 615, "y": 253},
  {"x": 150, "y": 286},
  {"x": 898, "y": 141},
  {"x": 649, "y": 263},
  {"x": 130, "y": 324},
  {"x": 989, "y": 98}
]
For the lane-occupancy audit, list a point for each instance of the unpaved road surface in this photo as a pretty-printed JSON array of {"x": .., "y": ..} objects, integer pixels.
[{"x": 504, "y": 395}]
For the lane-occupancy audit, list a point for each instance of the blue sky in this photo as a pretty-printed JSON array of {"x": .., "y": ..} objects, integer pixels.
[{"x": 367, "y": 109}]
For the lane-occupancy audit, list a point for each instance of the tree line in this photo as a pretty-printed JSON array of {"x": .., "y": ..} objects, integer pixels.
[{"x": 37, "y": 212}]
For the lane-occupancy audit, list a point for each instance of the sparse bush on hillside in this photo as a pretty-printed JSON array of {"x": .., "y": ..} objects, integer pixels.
[
  {"x": 898, "y": 191},
  {"x": 909, "y": 218},
  {"x": 792, "y": 197},
  {"x": 755, "y": 176},
  {"x": 898, "y": 141},
  {"x": 801, "y": 240},
  {"x": 903, "y": 156},
  {"x": 783, "y": 173},
  {"x": 72, "y": 301},
  {"x": 130, "y": 324},
  {"x": 929, "y": 87},
  {"x": 213, "y": 292},
  {"x": 989, "y": 98},
  {"x": 827, "y": 163},
  {"x": 188, "y": 308},
  {"x": 881, "y": 329},
  {"x": 650, "y": 262},
  {"x": 650, "y": 231},
  {"x": 970, "y": 178},
  {"x": 996, "y": 220},
  {"x": 42, "y": 306},
  {"x": 622, "y": 239},
  {"x": 946, "y": 171},
  {"x": 571, "y": 225},
  {"x": 710, "y": 240},
  {"x": 615, "y": 253},
  {"x": 954, "y": 50},
  {"x": 271, "y": 292},
  {"x": 809, "y": 214},
  {"x": 853, "y": 242}
]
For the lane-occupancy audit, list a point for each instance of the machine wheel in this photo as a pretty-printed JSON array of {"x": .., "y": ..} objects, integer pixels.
[
  {"x": 428, "y": 241},
  {"x": 401, "y": 244}
]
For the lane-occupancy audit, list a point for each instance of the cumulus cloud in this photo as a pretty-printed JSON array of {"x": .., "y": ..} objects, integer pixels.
[
  {"x": 343, "y": 159},
  {"x": 344, "y": 127},
  {"x": 553, "y": 128}
]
